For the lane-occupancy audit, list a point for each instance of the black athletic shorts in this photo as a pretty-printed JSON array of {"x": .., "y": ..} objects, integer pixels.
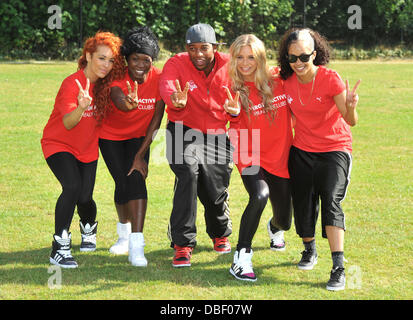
[{"x": 315, "y": 177}]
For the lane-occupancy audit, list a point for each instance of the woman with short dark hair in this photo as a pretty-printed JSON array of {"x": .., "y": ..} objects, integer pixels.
[{"x": 134, "y": 114}]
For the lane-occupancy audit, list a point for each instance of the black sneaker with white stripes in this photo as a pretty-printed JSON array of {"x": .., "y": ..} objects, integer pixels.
[
  {"x": 88, "y": 233},
  {"x": 61, "y": 251}
]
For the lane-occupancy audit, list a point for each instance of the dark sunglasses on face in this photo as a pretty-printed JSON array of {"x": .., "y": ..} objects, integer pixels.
[{"x": 303, "y": 57}]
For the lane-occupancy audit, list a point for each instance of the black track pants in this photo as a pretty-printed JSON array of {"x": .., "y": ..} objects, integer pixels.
[{"x": 202, "y": 165}]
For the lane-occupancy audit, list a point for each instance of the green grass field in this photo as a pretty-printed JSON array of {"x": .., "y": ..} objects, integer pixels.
[{"x": 379, "y": 237}]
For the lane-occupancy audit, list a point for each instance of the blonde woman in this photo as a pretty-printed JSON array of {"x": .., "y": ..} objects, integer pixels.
[{"x": 258, "y": 108}]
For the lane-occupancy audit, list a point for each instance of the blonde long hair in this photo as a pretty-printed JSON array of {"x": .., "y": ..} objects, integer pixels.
[{"x": 263, "y": 78}]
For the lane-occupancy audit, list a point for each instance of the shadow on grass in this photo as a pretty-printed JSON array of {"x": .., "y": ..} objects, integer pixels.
[{"x": 105, "y": 271}]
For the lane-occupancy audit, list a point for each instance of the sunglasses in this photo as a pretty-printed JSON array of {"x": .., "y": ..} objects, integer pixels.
[{"x": 303, "y": 57}]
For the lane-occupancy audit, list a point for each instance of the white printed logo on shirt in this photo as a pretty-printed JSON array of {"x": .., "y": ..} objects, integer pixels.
[{"x": 192, "y": 85}]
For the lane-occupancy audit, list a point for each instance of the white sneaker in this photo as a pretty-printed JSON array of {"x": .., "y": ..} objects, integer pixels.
[
  {"x": 277, "y": 238},
  {"x": 136, "y": 254},
  {"x": 241, "y": 268},
  {"x": 122, "y": 245}
]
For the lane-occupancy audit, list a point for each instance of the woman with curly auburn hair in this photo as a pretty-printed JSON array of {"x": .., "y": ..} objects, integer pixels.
[
  {"x": 320, "y": 158},
  {"x": 70, "y": 144},
  {"x": 125, "y": 137},
  {"x": 261, "y": 109}
]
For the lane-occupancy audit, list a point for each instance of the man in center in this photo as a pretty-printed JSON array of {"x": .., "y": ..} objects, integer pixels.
[{"x": 198, "y": 149}]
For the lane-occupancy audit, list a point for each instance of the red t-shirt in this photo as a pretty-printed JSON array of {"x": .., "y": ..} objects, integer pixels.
[
  {"x": 202, "y": 111},
  {"x": 82, "y": 140},
  {"x": 275, "y": 136},
  {"x": 124, "y": 125},
  {"x": 319, "y": 126}
]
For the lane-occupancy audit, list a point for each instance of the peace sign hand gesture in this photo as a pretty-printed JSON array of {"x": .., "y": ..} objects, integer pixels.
[
  {"x": 83, "y": 99},
  {"x": 232, "y": 105},
  {"x": 132, "y": 100},
  {"x": 179, "y": 97},
  {"x": 352, "y": 97}
]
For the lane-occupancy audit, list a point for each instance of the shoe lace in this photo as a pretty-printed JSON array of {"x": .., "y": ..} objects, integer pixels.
[
  {"x": 336, "y": 273},
  {"x": 182, "y": 252},
  {"x": 306, "y": 255},
  {"x": 221, "y": 242},
  {"x": 89, "y": 237}
]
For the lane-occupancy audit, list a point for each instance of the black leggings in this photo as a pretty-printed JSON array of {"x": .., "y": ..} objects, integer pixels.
[
  {"x": 260, "y": 187},
  {"x": 119, "y": 156},
  {"x": 77, "y": 180}
]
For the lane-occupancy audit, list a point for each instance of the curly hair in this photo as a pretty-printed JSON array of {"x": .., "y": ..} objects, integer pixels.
[
  {"x": 140, "y": 40},
  {"x": 262, "y": 75},
  {"x": 101, "y": 89},
  {"x": 321, "y": 46}
]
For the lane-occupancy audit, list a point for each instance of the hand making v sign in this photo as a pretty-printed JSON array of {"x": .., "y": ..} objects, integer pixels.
[
  {"x": 352, "y": 97},
  {"x": 132, "y": 100},
  {"x": 84, "y": 100},
  {"x": 179, "y": 97},
  {"x": 232, "y": 105}
]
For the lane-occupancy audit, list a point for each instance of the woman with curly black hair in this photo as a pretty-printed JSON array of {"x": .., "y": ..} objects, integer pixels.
[
  {"x": 127, "y": 131},
  {"x": 320, "y": 158}
]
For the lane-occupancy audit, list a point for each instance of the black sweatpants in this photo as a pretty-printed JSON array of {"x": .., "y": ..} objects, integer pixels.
[
  {"x": 202, "y": 164},
  {"x": 119, "y": 156},
  {"x": 260, "y": 187},
  {"x": 78, "y": 181}
]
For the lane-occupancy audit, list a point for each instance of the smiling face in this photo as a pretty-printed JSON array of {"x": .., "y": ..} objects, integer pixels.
[
  {"x": 139, "y": 65},
  {"x": 202, "y": 55},
  {"x": 304, "y": 70},
  {"x": 99, "y": 63},
  {"x": 246, "y": 63}
]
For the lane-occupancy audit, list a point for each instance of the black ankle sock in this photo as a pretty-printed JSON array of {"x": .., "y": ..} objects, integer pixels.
[
  {"x": 338, "y": 259},
  {"x": 273, "y": 229},
  {"x": 310, "y": 245}
]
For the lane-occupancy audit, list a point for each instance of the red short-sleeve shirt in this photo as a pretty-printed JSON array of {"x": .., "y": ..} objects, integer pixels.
[
  {"x": 82, "y": 140},
  {"x": 123, "y": 125},
  {"x": 320, "y": 126}
]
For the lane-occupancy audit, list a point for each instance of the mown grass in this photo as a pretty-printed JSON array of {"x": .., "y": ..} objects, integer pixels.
[{"x": 378, "y": 208}]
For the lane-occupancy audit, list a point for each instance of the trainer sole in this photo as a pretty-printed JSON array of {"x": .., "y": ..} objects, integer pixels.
[
  {"x": 222, "y": 252},
  {"x": 70, "y": 266},
  {"x": 242, "y": 279},
  {"x": 277, "y": 249},
  {"x": 335, "y": 288},
  {"x": 181, "y": 265},
  {"x": 307, "y": 267},
  {"x": 87, "y": 249}
]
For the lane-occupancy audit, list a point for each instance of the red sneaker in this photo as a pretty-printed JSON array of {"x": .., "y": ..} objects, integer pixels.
[
  {"x": 182, "y": 257},
  {"x": 221, "y": 245}
]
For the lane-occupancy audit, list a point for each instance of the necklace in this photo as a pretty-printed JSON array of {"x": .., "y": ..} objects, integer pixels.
[{"x": 312, "y": 88}]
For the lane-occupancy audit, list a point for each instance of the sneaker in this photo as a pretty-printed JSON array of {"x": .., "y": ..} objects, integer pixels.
[
  {"x": 308, "y": 260},
  {"x": 221, "y": 245},
  {"x": 337, "y": 279},
  {"x": 182, "y": 257},
  {"x": 61, "y": 254},
  {"x": 122, "y": 245},
  {"x": 241, "y": 268},
  {"x": 88, "y": 233},
  {"x": 277, "y": 238},
  {"x": 136, "y": 250}
]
